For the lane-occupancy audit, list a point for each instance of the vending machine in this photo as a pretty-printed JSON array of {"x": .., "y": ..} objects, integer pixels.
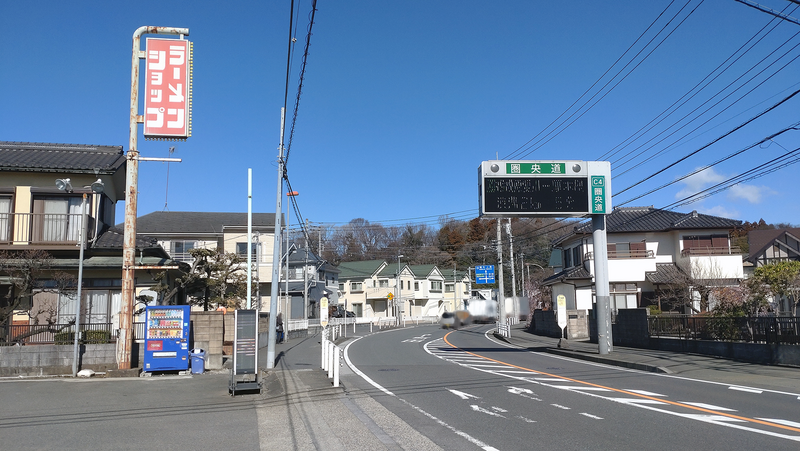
[{"x": 166, "y": 343}]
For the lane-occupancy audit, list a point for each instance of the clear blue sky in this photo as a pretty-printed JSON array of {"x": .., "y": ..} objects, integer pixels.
[{"x": 402, "y": 100}]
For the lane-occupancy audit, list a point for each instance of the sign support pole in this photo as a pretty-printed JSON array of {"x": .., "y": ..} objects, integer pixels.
[
  {"x": 125, "y": 339},
  {"x": 599, "y": 240}
]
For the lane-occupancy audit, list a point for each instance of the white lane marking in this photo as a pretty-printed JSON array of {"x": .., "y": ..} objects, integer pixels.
[
  {"x": 636, "y": 401},
  {"x": 561, "y": 407},
  {"x": 580, "y": 387},
  {"x": 499, "y": 409},
  {"x": 591, "y": 416},
  {"x": 524, "y": 392},
  {"x": 710, "y": 418},
  {"x": 549, "y": 379},
  {"x": 527, "y": 420},
  {"x": 463, "y": 395},
  {"x": 458, "y": 432},
  {"x": 480, "y": 409},
  {"x": 783, "y": 422},
  {"x": 708, "y": 406},
  {"x": 746, "y": 389},
  {"x": 647, "y": 393}
]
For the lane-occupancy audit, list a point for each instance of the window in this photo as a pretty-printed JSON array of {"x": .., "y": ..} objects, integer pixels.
[
  {"x": 180, "y": 249},
  {"x": 567, "y": 258},
  {"x": 627, "y": 250},
  {"x": 5, "y": 218},
  {"x": 705, "y": 244},
  {"x": 449, "y": 288},
  {"x": 57, "y": 219},
  {"x": 623, "y": 295},
  {"x": 416, "y": 286},
  {"x": 241, "y": 251},
  {"x": 355, "y": 286},
  {"x": 436, "y": 285},
  {"x": 383, "y": 283},
  {"x": 341, "y": 287},
  {"x": 576, "y": 255}
]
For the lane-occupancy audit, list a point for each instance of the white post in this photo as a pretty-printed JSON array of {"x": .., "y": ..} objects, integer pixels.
[
  {"x": 249, "y": 237},
  {"x": 336, "y": 367}
]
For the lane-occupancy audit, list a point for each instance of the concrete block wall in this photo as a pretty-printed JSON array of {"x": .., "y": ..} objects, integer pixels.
[
  {"x": 545, "y": 323},
  {"x": 48, "y": 360},
  {"x": 208, "y": 332}
]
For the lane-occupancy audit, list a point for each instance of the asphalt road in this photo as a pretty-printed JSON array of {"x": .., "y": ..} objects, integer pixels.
[
  {"x": 147, "y": 413},
  {"x": 465, "y": 390}
]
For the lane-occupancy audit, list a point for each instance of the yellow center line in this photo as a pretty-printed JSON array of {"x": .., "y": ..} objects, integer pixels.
[{"x": 638, "y": 395}]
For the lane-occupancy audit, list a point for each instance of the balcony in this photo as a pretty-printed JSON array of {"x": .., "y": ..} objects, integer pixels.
[
  {"x": 709, "y": 250},
  {"x": 41, "y": 229},
  {"x": 619, "y": 255}
]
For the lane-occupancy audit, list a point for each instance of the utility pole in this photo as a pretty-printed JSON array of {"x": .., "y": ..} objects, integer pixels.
[
  {"x": 276, "y": 254},
  {"x": 513, "y": 273},
  {"x": 125, "y": 339},
  {"x": 501, "y": 299}
]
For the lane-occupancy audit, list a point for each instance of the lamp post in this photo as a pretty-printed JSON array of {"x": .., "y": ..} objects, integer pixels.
[
  {"x": 399, "y": 300},
  {"x": 97, "y": 187}
]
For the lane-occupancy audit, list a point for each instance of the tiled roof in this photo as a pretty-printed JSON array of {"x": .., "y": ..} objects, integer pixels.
[
  {"x": 574, "y": 273},
  {"x": 359, "y": 270},
  {"x": 760, "y": 240},
  {"x": 75, "y": 158},
  {"x": 177, "y": 222},
  {"x": 665, "y": 273},
  {"x": 422, "y": 271},
  {"x": 649, "y": 219}
]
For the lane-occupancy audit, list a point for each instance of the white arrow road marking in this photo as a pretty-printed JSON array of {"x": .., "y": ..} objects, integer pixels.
[
  {"x": 561, "y": 407},
  {"x": 527, "y": 420},
  {"x": 499, "y": 409},
  {"x": 524, "y": 392},
  {"x": 487, "y": 412},
  {"x": 463, "y": 395},
  {"x": 591, "y": 416}
]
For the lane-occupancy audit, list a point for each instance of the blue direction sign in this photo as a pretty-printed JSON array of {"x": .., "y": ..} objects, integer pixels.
[{"x": 484, "y": 274}]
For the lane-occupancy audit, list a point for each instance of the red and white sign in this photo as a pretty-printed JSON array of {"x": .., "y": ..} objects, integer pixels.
[{"x": 167, "y": 103}]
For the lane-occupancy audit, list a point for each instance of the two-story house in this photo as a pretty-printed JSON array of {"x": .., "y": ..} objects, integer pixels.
[
  {"x": 774, "y": 246},
  {"x": 181, "y": 231},
  {"x": 649, "y": 251},
  {"x": 45, "y": 192},
  {"x": 370, "y": 289},
  {"x": 310, "y": 278}
]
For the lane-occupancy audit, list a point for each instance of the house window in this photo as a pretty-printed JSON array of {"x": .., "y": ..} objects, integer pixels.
[
  {"x": 705, "y": 244},
  {"x": 383, "y": 283},
  {"x": 408, "y": 285},
  {"x": 5, "y": 218},
  {"x": 355, "y": 286},
  {"x": 241, "y": 251},
  {"x": 57, "y": 219},
  {"x": 341, "y": 287},
  {"x": 576, "y": 255},
  {"x": 567, "y": 258},
  {"x": 627, "y": 250},
  {"x": 436, "y": 285},
  {"x": 623, "y": 295},
  {"x": 416, "y": 286},
  {"x": 448, "y": 288},
  {"x": 98, "y": 306},
  {"x": 179, "y": 250}
]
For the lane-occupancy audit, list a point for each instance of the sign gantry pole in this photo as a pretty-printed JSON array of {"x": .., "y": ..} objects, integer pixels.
[
  {"x": 125, "y": 339},
  {"x": 554, "y": 189}
]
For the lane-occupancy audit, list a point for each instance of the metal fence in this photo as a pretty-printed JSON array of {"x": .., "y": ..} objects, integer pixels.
[
  {"x": 94, "y": 333},
  {"x": 761, "y": 329}
]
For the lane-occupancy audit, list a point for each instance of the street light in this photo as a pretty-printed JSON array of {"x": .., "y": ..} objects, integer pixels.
[
  {"x": 97, "y": 188},
  {"x": 399, "y": 301}
]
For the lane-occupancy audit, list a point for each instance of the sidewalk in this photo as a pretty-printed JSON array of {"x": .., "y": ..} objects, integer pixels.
[
  {"x": 780, "y": 378},
  {"x": 301, "y": 409}
]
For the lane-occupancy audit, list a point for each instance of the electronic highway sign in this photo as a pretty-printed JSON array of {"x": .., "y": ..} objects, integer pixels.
[{"x": 544, "y": 188}]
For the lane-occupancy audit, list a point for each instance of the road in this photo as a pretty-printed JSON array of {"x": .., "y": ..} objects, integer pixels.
[{"x": 466, "y": 390}]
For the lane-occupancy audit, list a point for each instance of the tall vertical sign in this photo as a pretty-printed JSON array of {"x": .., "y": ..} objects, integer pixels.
[{"x": 168, "y": 92}]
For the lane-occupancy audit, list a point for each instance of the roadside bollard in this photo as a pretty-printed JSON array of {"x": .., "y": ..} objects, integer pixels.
[
  {"x": 331, "y": 352},
  {"x": 336, "y": 368}
]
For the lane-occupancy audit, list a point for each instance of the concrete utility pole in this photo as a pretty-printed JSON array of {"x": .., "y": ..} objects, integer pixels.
[
  {"x": 125, "y": 339},
  {"x": 604, "y": 338},
  {"x": 276, "y": 254},
  {"x": 501, "y": 298},
  {"x": 513, "y": 273}
]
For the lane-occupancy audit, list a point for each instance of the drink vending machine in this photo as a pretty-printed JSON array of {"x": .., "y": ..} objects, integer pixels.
[{"x": 166, "y": 343}]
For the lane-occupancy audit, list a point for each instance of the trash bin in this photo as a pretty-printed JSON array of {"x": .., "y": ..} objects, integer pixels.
[{"x": 198, "y": 360}]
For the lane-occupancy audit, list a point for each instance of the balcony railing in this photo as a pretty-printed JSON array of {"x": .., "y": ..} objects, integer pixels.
[
  {"x": 709, "y": 250},
  {"x": 42, "y": 228},
  {"x": 618, "y": 255}
]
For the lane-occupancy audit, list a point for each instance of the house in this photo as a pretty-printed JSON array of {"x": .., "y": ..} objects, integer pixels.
[
  {"x": 650, "y": 253},
  {"x": 774, "y": 246},
  {"x": 45, "y": 191},
  {"x": 180, "y": 231},
  {"x": 370, "y": 289},
  {"x": 310, "y": 278}
]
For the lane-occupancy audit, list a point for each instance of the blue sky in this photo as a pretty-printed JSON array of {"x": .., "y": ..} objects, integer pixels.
[{"x": 403, "y": 100}]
